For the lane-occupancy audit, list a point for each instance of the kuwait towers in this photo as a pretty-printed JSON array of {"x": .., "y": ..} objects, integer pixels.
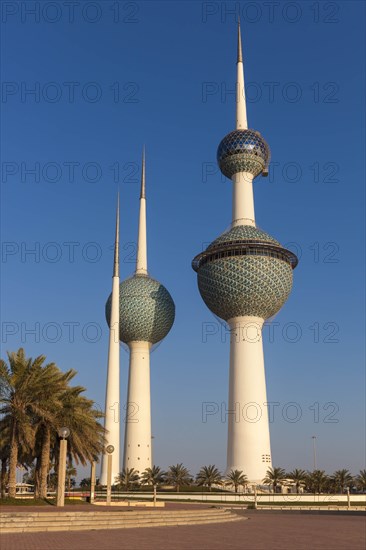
[
  {"x": 146, "y": 315},
  {"x": 245, "y": 277}
]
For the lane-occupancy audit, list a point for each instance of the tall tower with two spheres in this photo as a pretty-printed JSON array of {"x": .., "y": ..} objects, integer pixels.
[
  {"x": 146, "y": 315},
  {"x": 244, "y": 277}
]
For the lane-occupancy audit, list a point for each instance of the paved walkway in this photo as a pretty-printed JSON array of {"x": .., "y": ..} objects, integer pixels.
[{"x": 263, "y": 531}]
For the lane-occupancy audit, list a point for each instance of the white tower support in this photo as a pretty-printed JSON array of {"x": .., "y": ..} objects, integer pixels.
[
  {"x": 112, "y": 400},
  {"x": 248, "y": 429},
  {"x": 243, "y": 200},
  {"x": 137, "y": 451}
]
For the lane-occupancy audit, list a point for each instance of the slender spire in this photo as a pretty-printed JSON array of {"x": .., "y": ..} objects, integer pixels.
[
  {"x": 143, "y": 184},
  {"x": 240, "y": 52},
  {"x": 116, "y": 243},
  {"x": 141, "y": 263},
  {"x": 241, "y": 109}
]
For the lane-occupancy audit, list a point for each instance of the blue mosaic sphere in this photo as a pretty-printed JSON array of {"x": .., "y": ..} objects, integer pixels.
[
  {"x": 245, "y": 271},
  {"x": 243, "y": 151},
  {"x": 146, "y": 310}
]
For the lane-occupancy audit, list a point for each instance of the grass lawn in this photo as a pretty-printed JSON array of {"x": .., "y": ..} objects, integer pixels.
[{"x": 23, "y": 502}]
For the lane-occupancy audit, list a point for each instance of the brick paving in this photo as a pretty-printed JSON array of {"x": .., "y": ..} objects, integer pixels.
[{"x": 263, "y": 531}]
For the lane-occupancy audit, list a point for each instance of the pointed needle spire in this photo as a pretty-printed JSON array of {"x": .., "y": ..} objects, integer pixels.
[
  {"x": 116, "y": 243},
  {"x": 241, "y": 109},
  {"x": 141, "y": 262},
  {"x": 240, "y": 51},
  {"x": 143, "y": 184}
]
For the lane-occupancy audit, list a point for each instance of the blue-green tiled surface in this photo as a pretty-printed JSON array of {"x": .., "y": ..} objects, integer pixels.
[
  {"x": 147, "y": 310},
  {"x": 245, "y": 285},
  {"x": 244, "y": 233}
]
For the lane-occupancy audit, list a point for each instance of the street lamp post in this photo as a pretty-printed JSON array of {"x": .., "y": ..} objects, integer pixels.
[
  {"x": 109, "y": 449},
  {"x": 60, "y": 498},
  {"x": 92, "y": 482},
  {"x": 255, "y": 497}
]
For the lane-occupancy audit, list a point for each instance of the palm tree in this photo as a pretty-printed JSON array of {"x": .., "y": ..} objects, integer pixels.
[
  {"x": 316, "y": 481},
  {"x": 274, "y": 476},
  {"x": 178, "y": 476},
  {"x": 36, "y": 401},
  {"x": 86, "y": 440},
  {"x": 342, "y": 479},
  {"x": 208, "y": 476},
  {"x": 21, "y": 395},
  {"x": 153, "y": 476},
  {"x": 361, "y": 480},
  {"x": 55, "y": 384},
  {"x": 298, "y": 477},
  {"x": 127, "y": 479},
  {"x": 236, "y": 478}
]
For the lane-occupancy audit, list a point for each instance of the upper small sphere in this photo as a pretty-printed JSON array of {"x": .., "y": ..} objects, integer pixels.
[
  {"x": 146, "y": 310},
  {"x": 243, "y": 151}
]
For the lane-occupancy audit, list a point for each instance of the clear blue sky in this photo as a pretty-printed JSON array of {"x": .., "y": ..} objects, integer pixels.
[{"x": 174, "y": 65}]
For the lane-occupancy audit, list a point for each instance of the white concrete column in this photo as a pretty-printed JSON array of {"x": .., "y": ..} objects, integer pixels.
[
  {"x": 248, "y": 428},
  {"x": 137, "y": 446},
  {"x": 243, "y": 201},
  {"x": 112, "y": 399}
]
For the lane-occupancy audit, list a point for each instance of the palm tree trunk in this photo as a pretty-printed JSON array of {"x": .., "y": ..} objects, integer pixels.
[
  {"x": 37, "y": 478},
  {"x": 3, "y": 476},
  {"x": 13, "y": 461},
  {"x": 45, "y": 462}
]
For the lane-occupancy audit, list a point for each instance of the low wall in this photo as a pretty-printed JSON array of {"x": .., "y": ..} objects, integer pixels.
[{"x": 241, "y": 498}]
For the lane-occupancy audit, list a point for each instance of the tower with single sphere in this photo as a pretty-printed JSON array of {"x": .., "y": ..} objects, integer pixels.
[
  {"x": 245, "y": 277},
  {"x": 146, "y": 315}
]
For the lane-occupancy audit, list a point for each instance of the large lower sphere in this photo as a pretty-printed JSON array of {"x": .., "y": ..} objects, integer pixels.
[
  {"x": 146, "y": 310},
  {"x": 239, "y": 285},
  {"x": 245, "y": 285}
]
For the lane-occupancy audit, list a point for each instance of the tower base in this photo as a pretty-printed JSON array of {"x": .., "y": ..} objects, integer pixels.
[{"x": 248, "y": 447}]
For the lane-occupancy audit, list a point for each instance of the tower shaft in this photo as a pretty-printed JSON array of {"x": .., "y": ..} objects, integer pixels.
[
  {"x": 248, "y": 446},
  {"x": 112, "y": 399},
  {"x": 137, "y": 448},
  {"x": 243, "y": 200}
]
